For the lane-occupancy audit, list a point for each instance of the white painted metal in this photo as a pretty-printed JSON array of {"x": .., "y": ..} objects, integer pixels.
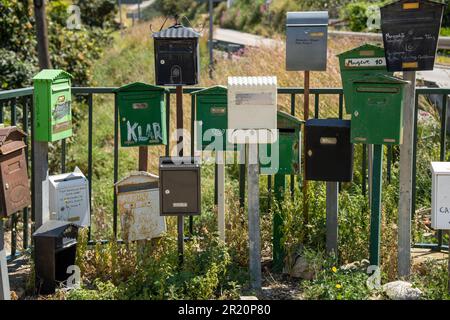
[{"x": 440, "y": 199}]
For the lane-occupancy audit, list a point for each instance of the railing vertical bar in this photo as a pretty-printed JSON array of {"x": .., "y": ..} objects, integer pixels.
[
  {"x": 364, "y": 169},
  {"x": 193, "y": 106},
  {"x": 116, "y": 160},
  {"x": 168, "y": 123},
  {"x": 414, "y": 166},
  {"x": 316, "y": 106},
  {"x": 25, "y": 210},
  {"x": 63, "y": 155},
  {"x": 90, "y": 146},
  {"x": 443, "y": 148},
  {"x": 292, "y": 186},
  {"x": 14, "y": 217},
  {"x": 341, "y": 106}
]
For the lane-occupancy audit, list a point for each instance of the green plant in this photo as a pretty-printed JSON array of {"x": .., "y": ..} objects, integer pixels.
[{"x": 432, "y": 278}]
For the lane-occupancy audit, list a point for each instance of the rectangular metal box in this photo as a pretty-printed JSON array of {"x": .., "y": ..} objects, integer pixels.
[
  {"x": 329, "y": 152},
  {"x": 15, "y": 192},
  {"x": 306, "y": 41},
  {"x": 138, "y": 204},
  {"x": 180, "y": 186},
  {"x": 377, "y": 114},
  {"x": 52, "y": 105},
  {"x": 142, "y": 110},
  {"x": 69, "y": 198},
  {"x": 410, "y": 34},
  {"x": 177, "y": 56},
  {"x": 252, "y": 109},
  {"x": 284, "y": 156},
  {"x": 362, "y": 61},
  {"x": 440, "y": 195},
  {"x": 55, "y": 248}
]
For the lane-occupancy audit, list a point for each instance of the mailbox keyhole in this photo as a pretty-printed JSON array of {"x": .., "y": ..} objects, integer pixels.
[{"x": 167, "y": 191}]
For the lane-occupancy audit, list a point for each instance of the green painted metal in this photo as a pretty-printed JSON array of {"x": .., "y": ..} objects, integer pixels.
[
  {"x": 278, "y": 251},
  {"x": 52, "y": 105},
  {"x": 377, "y": 114},
  {"x": 375, "y": 208},
  {"x": 142, "y": 111}
]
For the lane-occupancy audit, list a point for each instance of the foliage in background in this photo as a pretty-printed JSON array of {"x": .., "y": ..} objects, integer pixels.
[{"x": 431, "y": 277}]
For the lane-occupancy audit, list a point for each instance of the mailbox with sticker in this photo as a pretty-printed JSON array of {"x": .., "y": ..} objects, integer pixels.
[
  {"x": 142, "y": 110},
  {"x": 52, "y": 101}
]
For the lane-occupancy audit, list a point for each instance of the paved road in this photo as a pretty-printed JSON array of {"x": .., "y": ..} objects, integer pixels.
[{"x": 144, "y": 4}]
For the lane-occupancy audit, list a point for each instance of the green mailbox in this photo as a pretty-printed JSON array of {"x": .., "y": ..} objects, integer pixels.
[
  {"x": 377, "y": 113},
  {"x": 212, "y": 119},
  {"x": 142, "y": 111},
  {"x": 288, "y": 143},
  {"x": 52, "y": 105},
  {"x": 367, "y": 59}
]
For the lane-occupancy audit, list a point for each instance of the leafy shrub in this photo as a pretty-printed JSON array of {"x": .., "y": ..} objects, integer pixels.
[
  {"x": 356, "y": 14},
  {"x": 432, "y": 278}
]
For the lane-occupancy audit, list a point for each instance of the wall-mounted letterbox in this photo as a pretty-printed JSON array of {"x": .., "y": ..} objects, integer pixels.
[
  {"x": 142, "y": 112},
  {"x": 365, "y": 60},
  {"x": 306, "y": 41},
  {"x": 69, "y": 198},
  {"x": 138, "y": 203},
  {"x": 329, "y": 152},
  {"x": 283, "y": 156},
  {"x": 211, "y": 115},
  {"x": 440, "y": 195},
  {"x": 252, "y": 104},
  {"x": 177, "y": 57},
  {"x": 55, "y": 249},
  {"x": 377, "y": 113},
  {"x": 52, "y": 105},
  {"x": 410, "y": 34},
  {"x": 15, "y": 188},
  {"x": 180, "y": 188}
]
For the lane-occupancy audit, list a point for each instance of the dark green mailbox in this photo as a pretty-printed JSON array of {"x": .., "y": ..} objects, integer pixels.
[
  {"x": 287, "y": 160},
  {"x": 52, "y": 105},
  {"x": 377, "y": 114},
  {"x": 212, "y": 119},
  {"x": 142, "y": 111},
  {"x": 365, "y": 60}
]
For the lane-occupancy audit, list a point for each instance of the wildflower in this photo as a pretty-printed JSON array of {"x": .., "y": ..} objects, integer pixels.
[
  {"x": 338, "y": 286},
  {"x": 334, "y": 269}
]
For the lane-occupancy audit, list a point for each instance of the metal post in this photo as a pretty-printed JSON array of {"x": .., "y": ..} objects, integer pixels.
[
  {"x": 306, "y": 117},
  {"x": 4, "y": 278},
  {"x": 332, "y": 217},
  {"x": 253, "y": 217},
  {"x": 143, "y": 166},
  {"x": 40, "y": 181},
  {"x": 211, "y": 26},
  {"x": 370, "y": 170},
  {"x": 406, "y": 164},
  {"x": 278, "y": 252},
  {"x": 242, "y": 158},
  {"x": 375, "y": 208},
  {"x": 220, "y": 162},
  {"x": 179, "y": 96}
]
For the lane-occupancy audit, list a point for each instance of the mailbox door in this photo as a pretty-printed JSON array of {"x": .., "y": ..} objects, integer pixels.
[
  {"x": 176, "y": 62},
  {"x": 16, "y": 188},
  {"x": 306, "y": 48},
  {"x": 180, "y": 192},
  {"x": 442, "y": 214},
  {"x": 377, "y": 114},
  {"x": 142, "y": 119},
  {"x": 61, "y": 110},
  {"x": 212, "y": 113}
]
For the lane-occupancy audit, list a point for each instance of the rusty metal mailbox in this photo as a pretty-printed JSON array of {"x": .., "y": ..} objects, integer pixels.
[
  {"x": 15, "y": 190},
  {"x": 138, "y": 202},
  {"x": 410, "y": 34},
  {"x": 180, "y": 188}
]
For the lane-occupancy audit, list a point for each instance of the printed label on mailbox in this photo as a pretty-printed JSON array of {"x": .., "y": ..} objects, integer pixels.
[
  {"x": 252, "y": 99},
  {"x": 365, "y": 62}
]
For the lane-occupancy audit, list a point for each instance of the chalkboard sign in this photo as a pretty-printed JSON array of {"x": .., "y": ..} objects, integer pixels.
[{"x": 410, "y": 34}]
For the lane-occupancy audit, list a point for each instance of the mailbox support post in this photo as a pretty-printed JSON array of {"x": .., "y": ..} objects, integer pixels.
[
  {"x": 278, "y": 252},
  {"x": 220, "y": 162},
  {"x": 253, "y": 217},
  {"x": 332, "y": 217},
  {"x": 40, "y": 181},
  {"x": 242, "y": 159},
  {"x": 211, "y": 27},
  {"x": 375, "y": 206},
  {"x": 406, "y": 163},
  {"x": 4, "y": 279},
  {"x": 305, "y": 117},
  {"x": 179, "y": 96},
  {"x": 143, "y": 166}
]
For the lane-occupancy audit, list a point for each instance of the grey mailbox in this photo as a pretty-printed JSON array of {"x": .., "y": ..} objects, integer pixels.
[{"x": 306, "y": 41}]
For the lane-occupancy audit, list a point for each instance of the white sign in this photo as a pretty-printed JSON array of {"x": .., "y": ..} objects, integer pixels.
[
  {"x": 365, "y": 62},
  {"x": 440, "y": 199}
]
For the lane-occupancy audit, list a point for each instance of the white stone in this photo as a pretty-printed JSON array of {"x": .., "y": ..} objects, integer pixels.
[{"x": 401, "y": 290}]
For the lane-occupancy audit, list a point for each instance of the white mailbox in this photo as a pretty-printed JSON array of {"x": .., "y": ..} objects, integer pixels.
[
  {"x": 69, "y": 198},
  {"x": 138, "y": 203},
  {"x": 440, "y": 196},
  {"x": 252, "y": 109}
]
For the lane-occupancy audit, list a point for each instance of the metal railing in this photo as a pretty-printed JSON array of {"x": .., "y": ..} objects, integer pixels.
[{"x": 16, "y": 109}]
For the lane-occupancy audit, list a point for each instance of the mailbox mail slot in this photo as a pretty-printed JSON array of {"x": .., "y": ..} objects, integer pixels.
[
  {"x": 377, "y": 114},
  {"x": 138, "y": 202},
  {"x": 410, "y": 34},
  {"x": 440, "y": 196},
  {"x": 362, "y": 61},
  {"x": 142, "y": 112},
  {"x": 329, "y": 153},
  {"x": 306, "y": 41},
  {"x": 15, "y": 190},
  {"x": 52, "y": 101},
  {"x": 180, "y": 188},
  {"x": 177, "y": 57}
]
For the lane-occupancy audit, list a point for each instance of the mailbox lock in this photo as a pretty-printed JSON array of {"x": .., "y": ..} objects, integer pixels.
[
  {"x": 356, "y": 113},
  {"x": 162, "y": 61},
  {"x": 6, "y": 186},
  {"x": 310, "y": 153},
  {"x": 167, "y": 191}
]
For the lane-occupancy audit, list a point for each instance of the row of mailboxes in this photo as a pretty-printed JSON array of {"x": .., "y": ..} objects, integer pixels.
[{"x": 142, "y": 110}]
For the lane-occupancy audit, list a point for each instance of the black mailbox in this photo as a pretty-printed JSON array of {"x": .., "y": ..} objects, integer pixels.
[
  {"x": 411, "y": 33},
  {"x": 177, "y": 58},
  {"x": 329, "y": 152},
  {"x": 179, "y": 186},
  {"x": 55, "y": 247}
]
